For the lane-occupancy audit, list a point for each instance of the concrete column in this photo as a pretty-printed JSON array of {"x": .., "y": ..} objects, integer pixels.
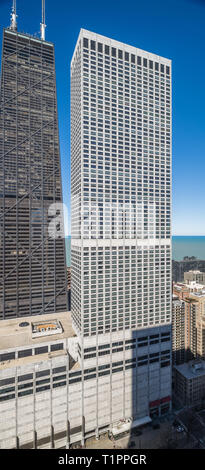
[
  {"x": 83, "y": 431},
  {"x": 52, "y": 438},
  {"x": 17, "y": 442},
  {"x": 34, "y": 439},
  {"x": 68, "y": 435}
]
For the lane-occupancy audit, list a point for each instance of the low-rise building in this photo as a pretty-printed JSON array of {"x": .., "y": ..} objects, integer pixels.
[
  {"x": 178, "y": 331},
  {"x": 190, "y": 383},
  {"x": 38, "y": 357},
  {"x": 188, "y": 321},
  {"x": 55, "y": 391},
  {"x": 182, "y": 290},
  {"x": 194, "y": 275}
]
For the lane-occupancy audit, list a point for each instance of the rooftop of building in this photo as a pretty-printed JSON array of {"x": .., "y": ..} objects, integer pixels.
[
  {"x": 121, "y": 45},
  {"x": 12, "y": 335},
  {"x": 23, "y": 361},
  {"x": 179, "y": 285},
  {"x": 32, "y": 37},
  {"x": 198, "y": 295},
  {"x": 192, "y": 285},
  {"x": 194, "y": 271},
  {"x": 192, "y": 369},
  {"x": 177, "y": 302}
]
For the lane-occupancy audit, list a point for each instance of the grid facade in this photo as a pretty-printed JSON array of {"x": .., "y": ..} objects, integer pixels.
[
  {"x": 32, "y": 263},
  {"x": 120, "y": 233},
  {"x": 42, "y": 397},
  {"x": 121, "y": 185}
]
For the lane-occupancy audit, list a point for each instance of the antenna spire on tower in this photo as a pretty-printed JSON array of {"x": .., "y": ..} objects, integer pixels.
[
  {"x": 14, "y": 17},
  {"x": 43, "y": 25}
]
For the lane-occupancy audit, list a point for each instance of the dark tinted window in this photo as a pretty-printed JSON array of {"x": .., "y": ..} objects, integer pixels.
[
  {"x": 100, "y": 49},
  {"x": 56, "y": 347},
  {"x": 126, "y": 56},
  {"x": 7, "y": 390},
  {"x": 92, "y": 45},
  {"x": 73, "y": 374},
  {"x": 42, "y": 373},
  {"x": 42, "y": 389},
  {"x": 7, "y": 356},
  {"x": 41, "y": 350},
  {"x": 21, "y": 378},
  {"x": 7, "y": 397},
  {"x": 85, "y": 42},
  {"x": 25, "y": 392},
  {"x": 59, "y": 369},
  {"x": 7, "y": 381},
  {"x": 25, "y": 353}
]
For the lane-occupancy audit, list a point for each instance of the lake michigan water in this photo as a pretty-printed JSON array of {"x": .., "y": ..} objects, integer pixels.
[{"x": 181, "y": 246}]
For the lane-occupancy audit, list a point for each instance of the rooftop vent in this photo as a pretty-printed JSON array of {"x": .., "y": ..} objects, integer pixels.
[
  {"x": 197, "y": 366},
  {"x": 23, "y": 324}
]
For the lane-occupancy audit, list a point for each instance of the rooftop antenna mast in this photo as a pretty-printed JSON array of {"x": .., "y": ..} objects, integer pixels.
[
  {"x": 14, "y": 17},
  {"x": 43, "y": 25}
]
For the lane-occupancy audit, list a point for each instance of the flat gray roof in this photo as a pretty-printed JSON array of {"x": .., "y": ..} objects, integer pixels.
[
  {"x": 14, "y": 336},
  {"x": 190, "y": 373},
  {"x": 24, "y": 361}
]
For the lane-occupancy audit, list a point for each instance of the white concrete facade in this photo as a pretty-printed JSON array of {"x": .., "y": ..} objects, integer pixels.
[
  {"x": 121, "y": 217},
  {"x": 47, "y": 399}
]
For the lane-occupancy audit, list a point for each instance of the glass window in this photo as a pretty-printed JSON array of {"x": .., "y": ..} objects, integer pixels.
[
  {"x": 100, "y": 48},
  {"x": 7, "y": 356},
  {"x": 25, "y": 353},
  {"x": 85, "y": 42},
  {"x": 7, "y": 381},
  {"x": 92, "y": 45},
  {"x": 41, "y": 350},
  {"x": 59, "y": 369},
  {"x": 22, "y": 378},
  {"x": 42, "y": 373},
  {"x": 127, "y": 56},
  {"x": 56, "y": 347}
]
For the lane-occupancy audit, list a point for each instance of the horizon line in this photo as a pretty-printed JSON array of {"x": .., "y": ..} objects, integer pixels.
[{"x": 173, "y": 235}]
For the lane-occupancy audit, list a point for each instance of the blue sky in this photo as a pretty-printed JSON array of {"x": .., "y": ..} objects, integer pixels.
[{"x": 171, "y": 28}]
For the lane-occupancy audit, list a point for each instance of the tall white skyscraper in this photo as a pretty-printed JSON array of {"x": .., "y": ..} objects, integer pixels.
[{"x": 121, "y": 228}]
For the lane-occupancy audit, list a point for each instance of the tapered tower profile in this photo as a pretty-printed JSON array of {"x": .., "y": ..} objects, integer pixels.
[{"x": 32, "y": 261}]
